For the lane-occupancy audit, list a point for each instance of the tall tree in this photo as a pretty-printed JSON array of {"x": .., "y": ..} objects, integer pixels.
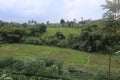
[
  {"x": 112, "y": 17},
  {"x": 113, "y": 7},
  {"x": 62, "y": 21}
]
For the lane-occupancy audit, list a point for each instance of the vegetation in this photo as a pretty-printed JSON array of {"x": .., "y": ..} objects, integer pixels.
[
  {"x": 33, "y": 47},
  {"x": 46, "y": 69},
  {"x": 80, "y": 59},
  {"x": 89, "y": 37}
]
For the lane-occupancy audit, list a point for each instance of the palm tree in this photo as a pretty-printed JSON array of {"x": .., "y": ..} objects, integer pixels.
[{"x": 112, "y": 16}]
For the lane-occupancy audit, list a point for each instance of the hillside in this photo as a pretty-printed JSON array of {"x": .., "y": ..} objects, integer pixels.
[
  {"x": 69, "y": 56},
  {"x": 65, "y": 31}
]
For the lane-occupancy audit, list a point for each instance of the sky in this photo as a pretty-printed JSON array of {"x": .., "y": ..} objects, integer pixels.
[{"x": 50, "y": 10}]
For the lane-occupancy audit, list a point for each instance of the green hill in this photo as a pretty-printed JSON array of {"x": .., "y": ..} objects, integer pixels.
[
  {"x": 65, "y": 31},
  {"x": 69, "y": 56}
]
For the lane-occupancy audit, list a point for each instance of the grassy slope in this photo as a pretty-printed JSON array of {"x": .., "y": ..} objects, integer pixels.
[
  {"x": 65, "y": 31},
  {"x": 23, "y": 51}
]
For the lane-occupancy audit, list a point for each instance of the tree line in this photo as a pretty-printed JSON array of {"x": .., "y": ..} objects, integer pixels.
[{"x": 93, "y": 37}]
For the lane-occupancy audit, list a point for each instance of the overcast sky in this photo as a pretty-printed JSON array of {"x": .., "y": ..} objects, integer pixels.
[{"x": 50, "y": 10}]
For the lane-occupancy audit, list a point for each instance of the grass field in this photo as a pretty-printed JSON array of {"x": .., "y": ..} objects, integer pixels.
[
  {"x": 65, "y": 31},
  {"x": 69, "y": 56}
]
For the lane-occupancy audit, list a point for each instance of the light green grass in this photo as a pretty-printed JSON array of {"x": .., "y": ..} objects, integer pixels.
[
  {"x": 65, "y": 31},
  {"x": 69, "y": 56}
]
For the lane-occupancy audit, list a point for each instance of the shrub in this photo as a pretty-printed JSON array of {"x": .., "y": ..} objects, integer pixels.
[
  {"x": 5, "y": 77},
  {"x": 11, "y": 35},
  {"x": 62, "y": 43},
  {"x": 18, "y": 65},
  {"x": 51, "y": 72},
  {"x": 6, "y": 62},
  {"x": 50, "y": 40},
  {"x": 59, "y": 35},
  {"x": 51, "y": 61},
  {"x": 33, "y": 40},
  {"x": 32, "y": 68},
  {"x": 37, "y": 30},
  {"x": 71, "y": 68}
]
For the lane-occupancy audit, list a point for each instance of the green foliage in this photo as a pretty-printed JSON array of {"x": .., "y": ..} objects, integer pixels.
[
  {"x": 6, "y": 62},
  {"x": 0, "y": 44},
  {"x": 62, "y": 43},
  {"x": 51, "y": 61},
  {"x": 33, "y": 40},
  {"x": 89, "y": 37},
  {"x": 11, "y": 35},
  {"x": 48, "y": 69},
  {"x": 5, "y": 77},
  {"x": 18, "y": 65},
  {"x": 37, "y": 30},
  {"x": 62, "y": 21},
  {"x": 32, "y": 68},
  {"x": 50, "y": 40},
  {"x": 59, "y": 35},
  {"x": 71, "y": 68}
]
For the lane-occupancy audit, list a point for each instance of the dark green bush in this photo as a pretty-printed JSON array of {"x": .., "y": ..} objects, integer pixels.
[
  {"x": 62, "y": 43},
  {"x": 38, "y": 29},
  {"x": 11, "y": 35},
  {"x": 51, "y": 61},
  {"x": 32, "y": 68},
  {"x": 59, "y": 35},
  {"x": 18, "y": 65},
  {"x": 7, "y": 62},
  {"x": 50, "y": 40}
]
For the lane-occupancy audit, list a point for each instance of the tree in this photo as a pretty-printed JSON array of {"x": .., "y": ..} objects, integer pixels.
[
  {"x": 113, "y": 7},
  {"x": 40, "y": 28},
  {"x": 0, "y": 44},
  {"x": 112, "y": 17},
  {"x": 62, "y": 21},
  {"x": 48, "y": 22},
  {"x": 24, "y": 25},
  {"x": 59, "y": 35}
]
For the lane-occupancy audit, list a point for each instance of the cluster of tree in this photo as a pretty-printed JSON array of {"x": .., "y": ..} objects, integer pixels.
[
  {"x": 93, "y": 37},
  {"x": 48, "y": 69},
  {"x": 14, "y": 32}
]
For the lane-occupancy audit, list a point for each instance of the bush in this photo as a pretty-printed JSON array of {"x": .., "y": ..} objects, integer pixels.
[
  {"x": 11, "y": 35},
  {"x": 51, "y": 61},
  {"x": 71, "y": 68},
  {"x": 7, "y": 62},
  {"x": 33, "y": 40},
  {"x": 51, "y": 72},
  {"x": 62, "y": 43},
  {"x": 32, "y": 68},
  {"x": 59, "y": 35},
  {"x": 5, "y": 77},
  {"x": 18, "y": 65},
  {"x": 37, "y": 30},
  {"x": 116, "y": 47},
  {"x": 50, "y": 40}
]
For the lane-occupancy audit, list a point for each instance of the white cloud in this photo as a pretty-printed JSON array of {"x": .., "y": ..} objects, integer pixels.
[
  {"x": 82, "y": 8},
  {"x": 51, "y": 9},
  {"x": 25, "y": 7}
]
